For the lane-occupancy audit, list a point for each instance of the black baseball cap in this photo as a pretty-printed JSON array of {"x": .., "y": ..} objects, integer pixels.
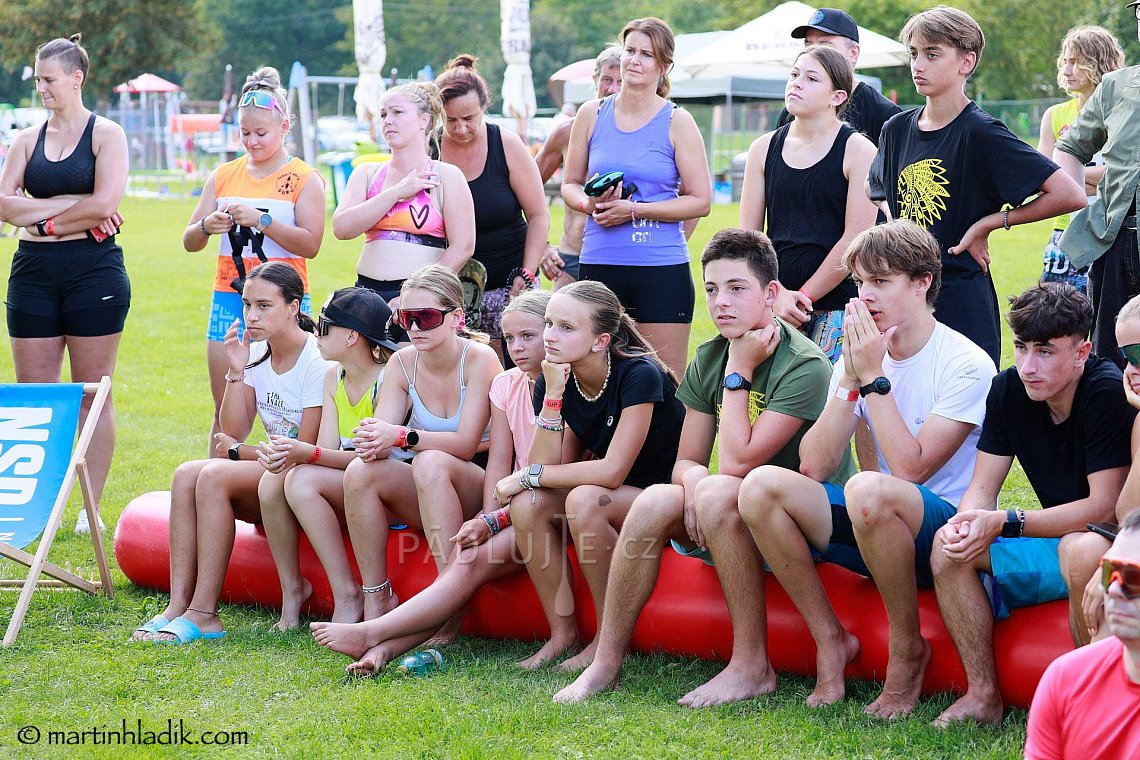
[
  {"x": 831, "y": 21},
  {"x": 362, "y": 310}
]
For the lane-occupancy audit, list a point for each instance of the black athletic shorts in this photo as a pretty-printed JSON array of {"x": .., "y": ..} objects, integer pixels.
[
  {"x": 68, "y": 287},
  {"x": 662, "y": 294}
]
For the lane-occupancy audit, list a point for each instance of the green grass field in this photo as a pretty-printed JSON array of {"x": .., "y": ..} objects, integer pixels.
[{"x": 71, "y": 669}]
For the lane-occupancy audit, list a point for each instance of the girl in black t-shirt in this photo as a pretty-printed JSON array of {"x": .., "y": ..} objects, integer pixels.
[{"x": 603, "y": 393}]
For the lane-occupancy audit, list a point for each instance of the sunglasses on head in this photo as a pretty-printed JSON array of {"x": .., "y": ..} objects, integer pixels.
[
  {"x": 261, "y": 99},
  {"x": 1130, "y": 353},
  {"x": 424, "y": 319},
  {"x": 1128, "y": 573}
]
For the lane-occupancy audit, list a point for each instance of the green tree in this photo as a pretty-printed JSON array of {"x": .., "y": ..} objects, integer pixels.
[
  {"x": 124, "y": 38},
  {"x": 252, "y": 33}
]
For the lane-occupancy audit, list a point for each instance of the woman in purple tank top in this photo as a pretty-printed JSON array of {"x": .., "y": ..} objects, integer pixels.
[{"x": 635, "y": 242}]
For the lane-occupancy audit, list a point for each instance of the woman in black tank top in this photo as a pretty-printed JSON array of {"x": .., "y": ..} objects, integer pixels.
[
  {"x": 505, "y": 185},
  {"x": 61, "y": 187},
  {"x": 806, "y": 181}
]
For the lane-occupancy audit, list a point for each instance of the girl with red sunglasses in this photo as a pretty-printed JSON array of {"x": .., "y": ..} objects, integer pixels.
[
  {"x": 421, "y": 472},
  {"x": 485, "y": 545}
]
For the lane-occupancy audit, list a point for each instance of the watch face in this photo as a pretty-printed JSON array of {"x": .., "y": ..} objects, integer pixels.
[
  {"x": 882, "y": 385},
  {"x": 265, "y": 220},
  {"x": 233, "y": 452},
  {"x": 412, "y": 438},
  {"x": 734, "y": 382}
]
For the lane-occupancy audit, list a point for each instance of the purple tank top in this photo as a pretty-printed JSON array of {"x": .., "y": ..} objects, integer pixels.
[{"x": 646, "y": 157}]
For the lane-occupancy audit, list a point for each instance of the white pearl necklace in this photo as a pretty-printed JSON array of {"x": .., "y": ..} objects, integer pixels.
[{"x": 605, "y": 382}]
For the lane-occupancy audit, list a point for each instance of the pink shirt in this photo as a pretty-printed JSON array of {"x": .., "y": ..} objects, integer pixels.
[
  {"x": 511, "y": 393},
  {"x": 1086, "y": 707}
]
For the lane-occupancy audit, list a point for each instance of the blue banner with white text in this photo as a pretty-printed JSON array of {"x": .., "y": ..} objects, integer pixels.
[{"x": 37, "y": 434}]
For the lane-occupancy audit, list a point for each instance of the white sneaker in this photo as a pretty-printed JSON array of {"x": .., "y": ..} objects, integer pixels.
[{"x": 82, "y": 527}]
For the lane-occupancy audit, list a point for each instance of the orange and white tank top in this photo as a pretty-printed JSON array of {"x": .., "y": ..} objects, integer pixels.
[{"x": 276, "y": 194}]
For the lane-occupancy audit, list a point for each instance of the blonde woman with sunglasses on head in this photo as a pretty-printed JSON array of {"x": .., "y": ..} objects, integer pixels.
[
  {"x": 265, "y": 205},
  {"x": 444, "y": 378}
]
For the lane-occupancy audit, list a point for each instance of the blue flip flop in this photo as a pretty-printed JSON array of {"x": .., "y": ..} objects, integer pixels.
[
  {"x": 153, "y": 625},
  {"x": 185, "y": 632}
]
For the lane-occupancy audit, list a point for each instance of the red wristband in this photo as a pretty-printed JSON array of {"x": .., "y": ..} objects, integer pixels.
[
  {"x": 401, "y": 437},
  {"x": 846, "y": 394},
  {"x": 551, "y": 403},
  {"x": 49, "y": 226},
  {"x": 316, "y": 457},
  {"x": 804, "y": 293},
  {"x": 502, "y": 519}
]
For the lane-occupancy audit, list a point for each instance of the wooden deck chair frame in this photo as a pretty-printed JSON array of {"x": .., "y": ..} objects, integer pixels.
[{"x": 38, "y": 565}]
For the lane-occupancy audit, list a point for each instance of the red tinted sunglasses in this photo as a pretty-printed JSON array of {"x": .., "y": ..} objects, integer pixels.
[
  {"x": 1128, "y": 573},
  {"x": 424, "y": 319}
]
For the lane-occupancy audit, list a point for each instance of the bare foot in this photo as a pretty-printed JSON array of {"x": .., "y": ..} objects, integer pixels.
[
  {"x": 550, "y": 651},
  {"x": 373, "y": 661},
  {"x": 349, "y": 609},
  {"x": 902, "y": 685},
  {"x": 447, "y": 634},
  {"x": 377, "y": 604},
  {"x": 291, "y": 604},
  {"x": 594, "y": 680},
  {"x": 972, "y": 706},
  {"x": 736, "y": 683},
  {"x": 830, "y": 662},
  {"x": 352, "y": 639},
  {"x": 582, "y": 659}
]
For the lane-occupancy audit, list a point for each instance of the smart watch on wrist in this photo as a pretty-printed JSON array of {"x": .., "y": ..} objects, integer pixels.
[
  {"x": 411, "y": 439},
  {"x": 264, "y": 221},
  {"x": 233, "y": 452},
  {"x": 736, "y": 382},
  {"x": 880, "y": 385}
]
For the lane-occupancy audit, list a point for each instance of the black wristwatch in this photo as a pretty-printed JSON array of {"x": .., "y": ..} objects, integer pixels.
[
  {"x": 411, "y": 439},
  {"x": 880, "y": 385},
  {"x": 736, "y": 382},
  {"x": 1014, "y": 526},
  {"x": 233, "y": 452}
]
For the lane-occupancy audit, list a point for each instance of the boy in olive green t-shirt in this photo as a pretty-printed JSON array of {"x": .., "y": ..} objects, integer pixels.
[{"x": 759, "y": 385}]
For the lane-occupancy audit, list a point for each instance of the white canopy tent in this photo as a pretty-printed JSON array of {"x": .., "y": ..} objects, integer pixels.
[{"x": 767, "y": 41}]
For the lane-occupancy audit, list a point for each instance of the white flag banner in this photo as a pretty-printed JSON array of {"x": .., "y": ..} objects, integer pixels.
[
  {"x": 518, "y": 84},
  {"x": 371, "y": 50}
]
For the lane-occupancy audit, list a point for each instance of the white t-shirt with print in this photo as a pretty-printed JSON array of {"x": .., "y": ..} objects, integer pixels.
[
  {"x": 950, "y": 376},
  {"x": 281, "y": 398}
]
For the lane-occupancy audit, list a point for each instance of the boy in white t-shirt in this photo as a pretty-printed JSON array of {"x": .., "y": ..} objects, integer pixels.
[{"x": 921, "y": 387}]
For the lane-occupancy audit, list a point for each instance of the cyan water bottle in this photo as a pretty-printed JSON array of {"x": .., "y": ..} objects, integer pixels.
[{"x": 421, "y": 663}]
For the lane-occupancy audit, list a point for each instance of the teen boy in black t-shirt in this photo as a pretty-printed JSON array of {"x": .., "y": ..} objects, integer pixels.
[
  {"x": 950, "y": 167},
  {"x": 1063, "y": 414}
]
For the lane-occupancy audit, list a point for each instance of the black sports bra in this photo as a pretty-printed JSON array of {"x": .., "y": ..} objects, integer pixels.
[{"x": 74, "y": 175}]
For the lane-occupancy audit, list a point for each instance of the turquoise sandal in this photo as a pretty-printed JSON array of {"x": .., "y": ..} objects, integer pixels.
[
  {"x": 152, "y": 626},
  {"x": 185, "y": 632}
]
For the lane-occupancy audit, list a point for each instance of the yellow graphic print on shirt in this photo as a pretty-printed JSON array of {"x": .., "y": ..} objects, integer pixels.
[
  {"x": 922, "y": 192},
  {"x": 756, "y": 404}
]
